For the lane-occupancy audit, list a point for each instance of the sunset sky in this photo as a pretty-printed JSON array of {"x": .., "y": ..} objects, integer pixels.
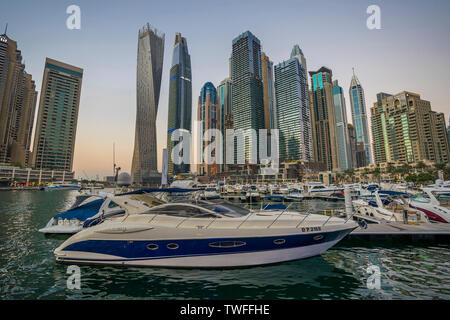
[{"x": 411, "y": 52}]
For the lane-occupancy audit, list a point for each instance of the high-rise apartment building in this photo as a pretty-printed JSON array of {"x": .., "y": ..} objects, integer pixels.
[
  {"x": 270, "y": 120},
  {"x": 448, "y": 132},
  {"x": 180, "y": 101},
  {"x": 352, "y": 144},
  {"x": 344, "y": 155},
  {"x": 293, "y": 113},
  {"x": 56, "y": 126},
  {"x": 405, "y": 129},
  {"x": 359, "y": 117},
  {"x": 323, "y": 119},
  {"x": 226, "y": 114},
  {"x": 18, "y": 97},
  {"x": 247, "y": 93},
  {"x": 150, "y": 55},
  {"x": 209, "y": 116}
]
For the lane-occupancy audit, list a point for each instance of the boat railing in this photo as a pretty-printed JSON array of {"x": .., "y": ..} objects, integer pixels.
[
  {"x": 327, "y": 220},
  {"x": 279, "y": 215},
  {"x": 309, "y": 212}
]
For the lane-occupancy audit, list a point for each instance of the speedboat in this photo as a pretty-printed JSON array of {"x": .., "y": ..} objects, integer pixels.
[
  {"x": 210, "y": 193},
  {"x": 203, "y": 234},
  {"x": 440, "y": 187},
  {"x": 72, "y": 220},
  {"x": 89, "y": 207},
  {"x": 295, "y": 195},
  {"x": 61, "y": 186},
  {"x": 252, "y": 194},
  {"x": 284, "y": 189},
  {"x": 319, "y": 189},
  {"x": 388, "y": 209},
  {"x": 434, "y": 203}
]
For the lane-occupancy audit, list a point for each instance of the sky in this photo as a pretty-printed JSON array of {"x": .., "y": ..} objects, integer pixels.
[{"x": 410, "y": 52}]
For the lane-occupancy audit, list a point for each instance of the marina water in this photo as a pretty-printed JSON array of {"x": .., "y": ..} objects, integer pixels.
[{"x": 28, "y": 269}]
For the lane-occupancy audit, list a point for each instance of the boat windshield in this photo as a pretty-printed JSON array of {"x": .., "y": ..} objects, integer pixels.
[
  {"x": 421, "y": 197},
  {"x": 227, "y": 209},
  {"x": 195, "y": 209}
]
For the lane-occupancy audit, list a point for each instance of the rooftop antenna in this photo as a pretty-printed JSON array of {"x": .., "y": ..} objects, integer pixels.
[
  {"x": 353, "y": 69},
  {"x": 6, "y": 28}
]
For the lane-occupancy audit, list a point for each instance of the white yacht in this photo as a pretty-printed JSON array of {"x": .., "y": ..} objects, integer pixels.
[
  {"x": 435, "y": 203},
  {"x": 204, "y": 234},
  {"x": 390, "y": 209},
  {"x": 284, "y": 189},
  {"x": 312, "y": 189},
  {"x": 210, "y": 193},
  {"x": 252, "y": 194},
  {"x": 88, "y": 208},
  {"x": 294, "y": 195}
]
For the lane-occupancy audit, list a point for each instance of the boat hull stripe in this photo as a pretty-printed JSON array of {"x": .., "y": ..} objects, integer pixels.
[{"x": 137, "y": 249}]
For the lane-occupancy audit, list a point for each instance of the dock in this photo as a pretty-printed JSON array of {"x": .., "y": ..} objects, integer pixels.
[{"x": 391, "y": 231}]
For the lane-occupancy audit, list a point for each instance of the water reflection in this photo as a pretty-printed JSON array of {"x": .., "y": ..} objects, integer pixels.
[{"x": 28, "y": 269}]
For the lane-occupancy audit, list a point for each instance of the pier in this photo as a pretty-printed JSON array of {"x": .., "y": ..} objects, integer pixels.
[{"x": 391, "y": 231}]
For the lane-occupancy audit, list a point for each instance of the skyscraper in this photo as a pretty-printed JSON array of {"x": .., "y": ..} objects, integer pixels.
[
  {"x": 359, "y": 117},
  {"x": 18, "y": 97},
  {"x": 323, "y": 119},
  {"x": 180, "y": 99},
  {"x": 150, "y": 55},
  {"x": 344, "y": 155},
  {"x": 293, "y": 114},
  {"x": 208, "y": 114},
  {"x": 226, "y": 115},
  {"x": 448, "y": 132},
  {"x": 56, "y": 126},
  {"x": 247, "y": 93},
  {"x": 270, "y": 120},
  {"x": 352, "y": 144},
  {"x": 404, "y": 128}
]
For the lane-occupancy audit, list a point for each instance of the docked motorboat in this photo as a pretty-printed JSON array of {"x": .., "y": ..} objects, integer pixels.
[
  {"x": 388, "y": 209},
  {"x": 434, "y": 203},
  {"x": 61, "y": 186},
  {"x": 210, "y": 193},
  {"x": 284, "y": 189},
  {"x": 72, "y": 220},
  {"x": 440, "y": 187},
  {"x": 312, "y": 189},
  {"x": 294, "y": 195},
  {"x": 90, "y": 207},
  {"x": 252, "y": 194},
  {"x": 204, "y": 234}
]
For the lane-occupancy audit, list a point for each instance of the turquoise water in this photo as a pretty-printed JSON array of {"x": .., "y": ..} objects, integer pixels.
[{"x": 28, "y": 269}]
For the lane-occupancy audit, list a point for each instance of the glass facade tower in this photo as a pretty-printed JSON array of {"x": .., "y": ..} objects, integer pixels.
[
  {"x": 247, "y": 93},
  {"x": 323, "y": 119},
  {"x": 150, "y": 56},
  {"x": 293, "y": 116},
  {"x": 18, "y": 97},
  {"x": 209, "y": 116},
  {"x": 180, "y": 100},
  {"x": 359, "y": 117},
  {"x": 344, "y": 155},
  {"x": 226, "y": 115}
]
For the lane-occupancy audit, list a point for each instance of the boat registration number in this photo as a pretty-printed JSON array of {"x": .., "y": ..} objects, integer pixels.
[{"x": 311, "y": 229}]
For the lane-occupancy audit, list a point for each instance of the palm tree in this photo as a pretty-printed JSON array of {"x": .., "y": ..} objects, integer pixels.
[
  {"x": 376, "y": 173},
  {"x": 420, "y": 165}
]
